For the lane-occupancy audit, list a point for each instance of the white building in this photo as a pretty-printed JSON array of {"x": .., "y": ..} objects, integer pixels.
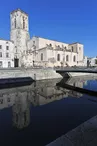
[
  {"x": 85, "y": 61},
  {"x": 92, "y": 61},
  {"x": 37, "y": 51},
  {"x": 6, "y": 53}
]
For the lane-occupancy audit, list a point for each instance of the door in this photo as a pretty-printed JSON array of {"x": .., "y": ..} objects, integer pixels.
[{"x": 16, "y": 62}]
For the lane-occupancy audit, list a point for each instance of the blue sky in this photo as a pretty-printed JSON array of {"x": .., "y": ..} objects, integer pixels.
[{"x": 63, "y": 20}]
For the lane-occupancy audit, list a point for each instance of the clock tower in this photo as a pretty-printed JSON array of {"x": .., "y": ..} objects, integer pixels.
[{"x": 19, "y": 34}]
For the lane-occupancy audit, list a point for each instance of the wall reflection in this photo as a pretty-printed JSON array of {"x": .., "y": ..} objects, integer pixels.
[{"x": 37, "y": 94}]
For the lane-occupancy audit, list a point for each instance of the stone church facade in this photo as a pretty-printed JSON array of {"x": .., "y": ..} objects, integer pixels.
[{"x": 26, "y": 52}]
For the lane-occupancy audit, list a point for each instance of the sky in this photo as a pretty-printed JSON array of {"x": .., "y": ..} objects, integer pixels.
[{"x": 63, "y": 20}]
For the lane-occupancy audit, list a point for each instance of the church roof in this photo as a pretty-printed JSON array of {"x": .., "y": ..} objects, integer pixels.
[
  {"x": 20, "y": 11},
  {"x": 75, "y": 43}
]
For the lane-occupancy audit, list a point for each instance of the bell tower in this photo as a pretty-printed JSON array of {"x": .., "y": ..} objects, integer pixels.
[{"x": 19, "y": 34}]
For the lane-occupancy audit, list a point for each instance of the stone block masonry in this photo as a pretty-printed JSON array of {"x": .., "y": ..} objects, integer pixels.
[{"x": 36, "y": 74}]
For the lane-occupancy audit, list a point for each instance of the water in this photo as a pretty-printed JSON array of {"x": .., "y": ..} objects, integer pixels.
[{"x": 39, "y": 113}]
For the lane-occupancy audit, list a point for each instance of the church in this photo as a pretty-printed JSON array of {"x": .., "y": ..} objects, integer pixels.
[{"x": 23, "y": 51}]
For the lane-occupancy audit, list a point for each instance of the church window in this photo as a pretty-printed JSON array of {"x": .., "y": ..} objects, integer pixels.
[
  {"x": 79, "y": 48},
  {"x": 58, "y": 57},
  {"x": 74, "y": 59},
  {"x": 65, "y": 48},
  {"x": 67, "y": 58},
  {"x": 58, "y": 46},
  {"x": 15, "y": 22},
  {"x": 23, "y": 23},
  {"x": 72, "y": 48},
  {"x": 41, "y": 56}
]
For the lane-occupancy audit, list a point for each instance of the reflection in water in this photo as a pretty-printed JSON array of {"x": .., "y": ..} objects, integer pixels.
[
  {"x": 21, "y": 111},
  {"x": 39, "y": 93},
  {"x": 75, "y": 87}
]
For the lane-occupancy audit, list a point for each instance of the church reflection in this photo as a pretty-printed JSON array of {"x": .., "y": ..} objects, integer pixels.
[
  {"x": 21, "y": 110},
  {"x": 37, "y": 94}
]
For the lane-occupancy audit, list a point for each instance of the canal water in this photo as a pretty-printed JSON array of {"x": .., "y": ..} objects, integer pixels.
[{"x": 39, "y": 113}]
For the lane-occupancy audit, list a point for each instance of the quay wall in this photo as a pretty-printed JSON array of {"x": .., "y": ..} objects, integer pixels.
[
  {"x": 74, "y": 74},
  {"x": 36, "y": 74}
]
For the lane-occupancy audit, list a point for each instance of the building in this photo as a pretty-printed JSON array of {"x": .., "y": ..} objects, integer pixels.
[
  {"x": 6, "y": 53},
  {"x": 38, "y": 51},
  {"x": 53, "y": 53},
  {"x": 92, "y": 61},
  {"x": 85, "y": 61}
]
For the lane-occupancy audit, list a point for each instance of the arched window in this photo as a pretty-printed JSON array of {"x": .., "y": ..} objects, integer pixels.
[
  {"x": 58, "y": 57},
  {"x": 67, "y": 58},
  {"x": 74, "y": 59},
  {"x": 41, "y": 56},
  {"x": 15, "y": 22},
  {"x": 58, "y": 46},
  {"x": 65, "y": 48},
  {"x": 23, "y": 23}
]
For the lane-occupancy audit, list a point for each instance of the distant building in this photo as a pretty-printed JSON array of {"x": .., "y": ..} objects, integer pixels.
[
  {"x": 37, "y": 51},
  {"x": 85, "y": 61},
  {"x": 92, "y": 61}
]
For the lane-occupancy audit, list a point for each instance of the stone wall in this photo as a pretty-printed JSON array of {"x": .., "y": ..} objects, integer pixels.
[{"x": 36, "y": 74}]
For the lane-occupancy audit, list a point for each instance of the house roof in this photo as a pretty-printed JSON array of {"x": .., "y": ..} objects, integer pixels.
[
  {"x": 51, "y": 40},
  {"x": 6, "y": 40}
]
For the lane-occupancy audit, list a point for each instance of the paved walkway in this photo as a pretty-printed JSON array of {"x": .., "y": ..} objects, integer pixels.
[{"x": 83, "y": 135}]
